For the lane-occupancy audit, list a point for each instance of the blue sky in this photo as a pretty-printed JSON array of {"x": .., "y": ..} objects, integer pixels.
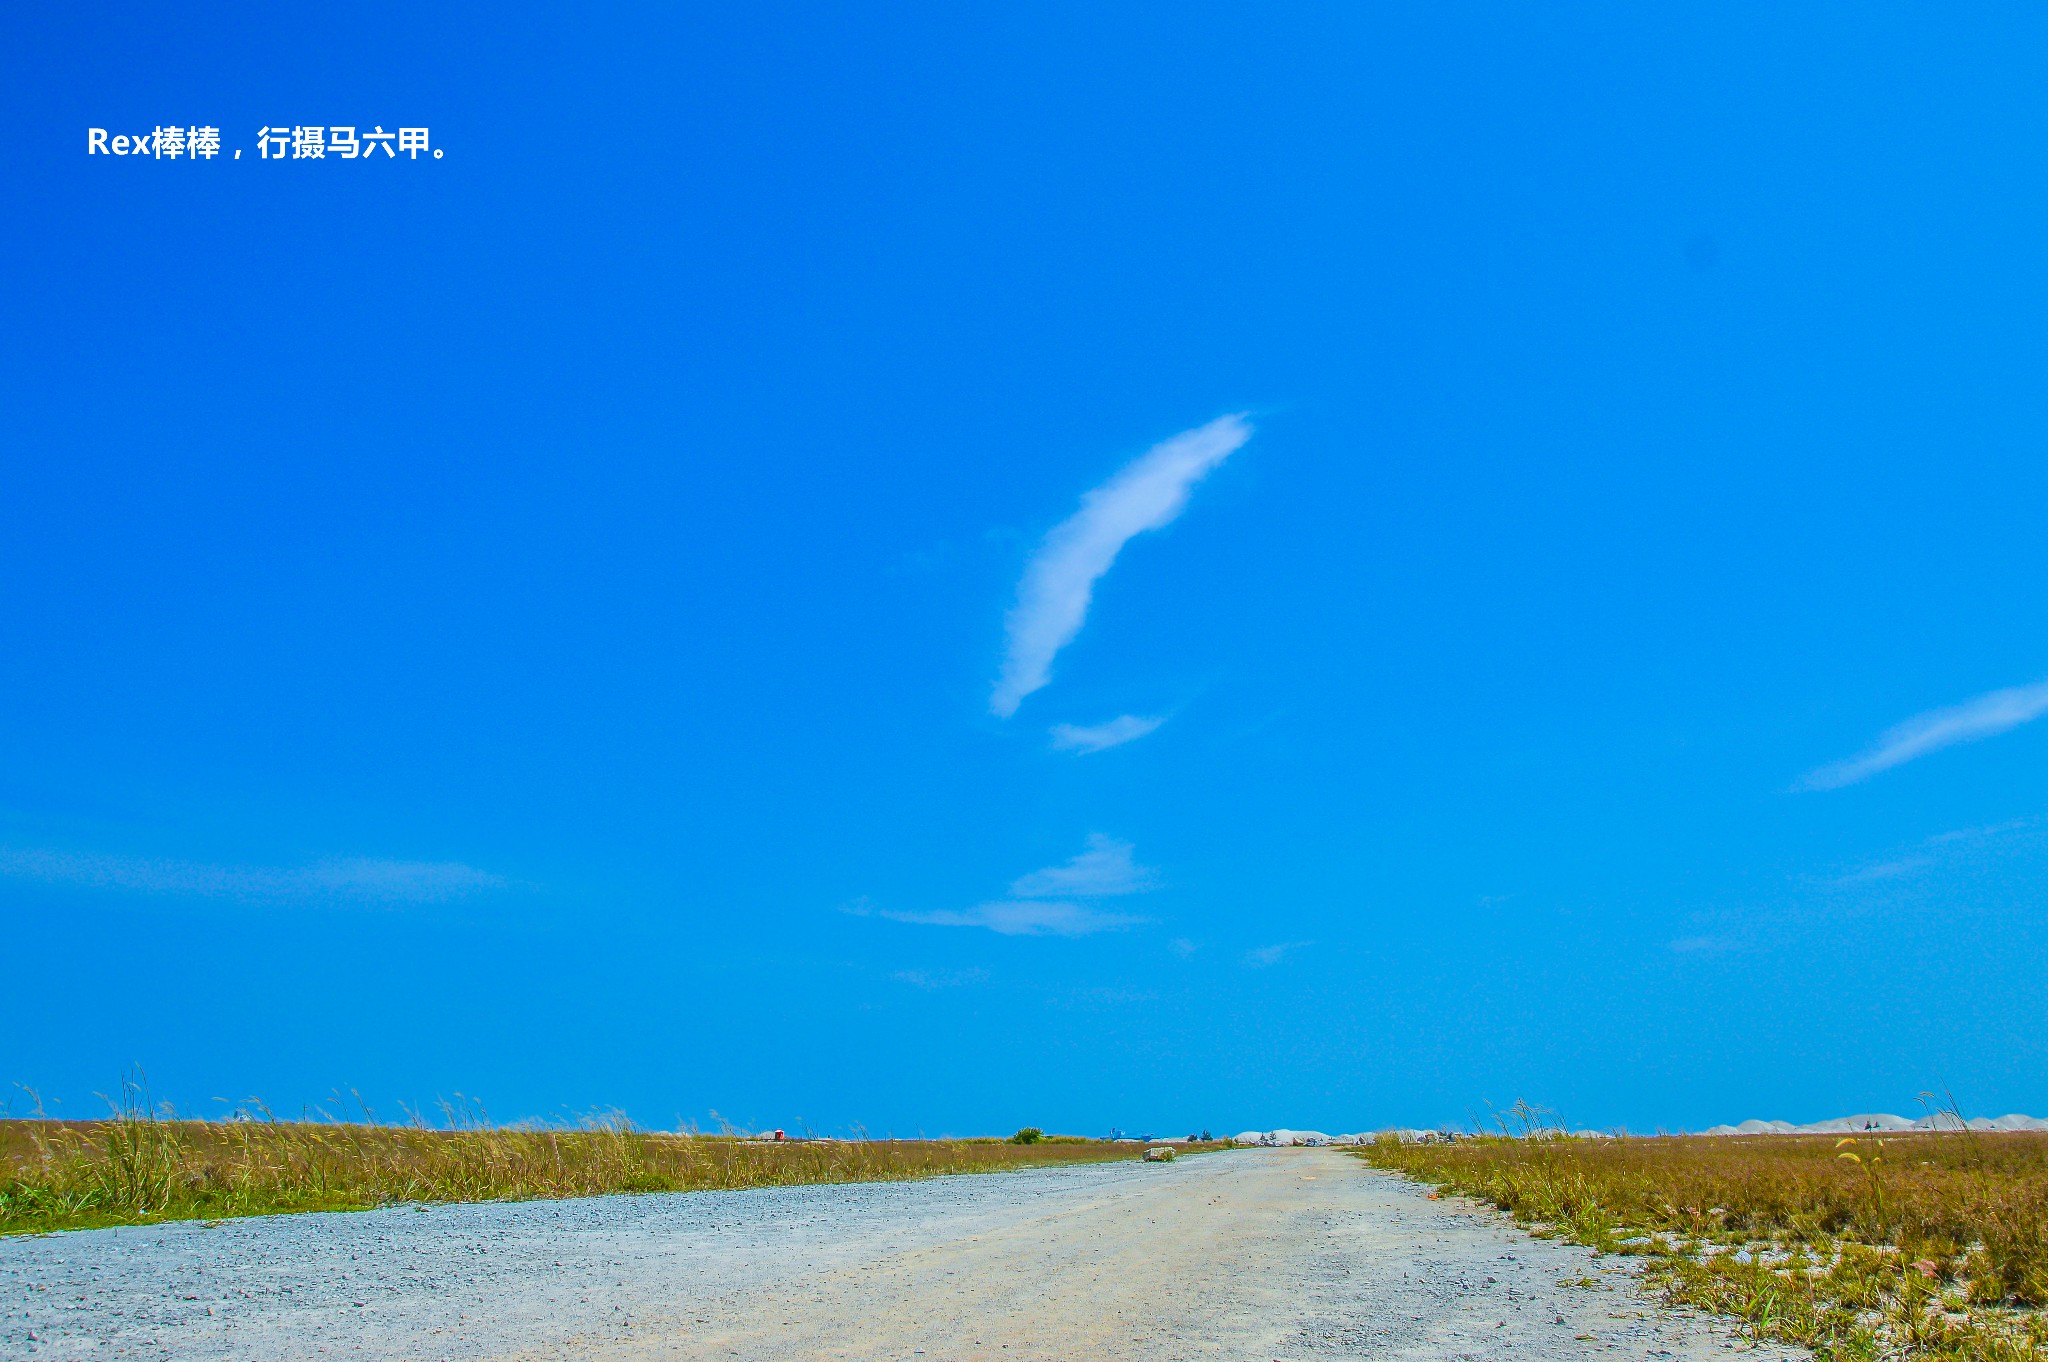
[{"x": 1155, "y": 566}]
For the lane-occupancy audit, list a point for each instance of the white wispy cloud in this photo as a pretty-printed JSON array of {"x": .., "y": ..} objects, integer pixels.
[
  {"x": 1042, "y": 903},
  {"x": 1100, "y": 999},
  {"x": 1264, "y": 957},
  {"x": 1983, "y": 717},
  {"x": 1100, "y": 737},
  {"x": 1059, "y": 582},
  {"x": 1944, "y": 848},
  {"x": 353, "y": 879},
  {"x": 1106, "y": 869},
  {"x": 1884, "y": 870},
  {"x": 1023, "y": 917},
  {"x": 940, "y": 978}
]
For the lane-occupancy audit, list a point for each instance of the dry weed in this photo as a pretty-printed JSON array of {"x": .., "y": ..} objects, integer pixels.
[{"x": 1902, "y": 1246}]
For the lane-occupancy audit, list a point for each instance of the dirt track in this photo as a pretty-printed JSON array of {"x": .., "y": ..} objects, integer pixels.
[{"x": 1246, "y": 1255}]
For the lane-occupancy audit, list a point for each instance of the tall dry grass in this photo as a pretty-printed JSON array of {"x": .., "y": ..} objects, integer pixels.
[
  {"x": 1915, "y": 1246},
  {"x": 142, "y": 1164}
]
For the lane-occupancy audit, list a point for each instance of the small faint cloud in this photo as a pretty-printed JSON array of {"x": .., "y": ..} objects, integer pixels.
[
  {"x": 1183, "y": 947},
  {"x": 1023, "y": 917},
  {"x": 942, "y": 978},
  {"x": 1059, "y": 582},
  {"x": 1105, "y": 869},
  {"x": 401, "y": 881},
  {"x": 1988, "y": 832},
  {"x": 1265, "y": 957},
  {"x": 1101, "y": 737},
  {"x": 353, "y": 879},
  {"x": 1098, "y": 999},
  {"x": 922, "y": 561},
  {"x": 1984, "y": 717},
  {"x": 1701, "y": 945},
  {"x": 1883, "y": 870},
  {"x": 1931, "y": 852},
  {"x": 1042, "y": 902}
]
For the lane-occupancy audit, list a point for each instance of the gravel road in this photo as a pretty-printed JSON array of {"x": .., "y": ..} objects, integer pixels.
[{"x": 1251, "y": 1254}]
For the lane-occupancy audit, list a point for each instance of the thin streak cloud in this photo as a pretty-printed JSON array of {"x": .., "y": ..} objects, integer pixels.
[
  {"x": 1265, "y": 957},
  {"x": 1943, "y": 849},
  {"x": 1984, "y": 717},
  {"x": 353, "y": 879},
  {"x": 1101, "y": 737},
  {"x": 1030, "y": 917},
  {"x": 1059, "y": 582},
  {"x": 930, "y": 980},
  {"x": 1042, "y": 903}
]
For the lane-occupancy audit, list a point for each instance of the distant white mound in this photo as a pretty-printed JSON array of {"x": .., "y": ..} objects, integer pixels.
[{"x": 1877, "y": 1123}]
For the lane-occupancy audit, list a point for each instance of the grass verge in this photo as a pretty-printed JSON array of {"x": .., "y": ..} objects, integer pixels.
[
  {"x": 1917, "y": 1246},
  {"x": 140, "y": 1166}
]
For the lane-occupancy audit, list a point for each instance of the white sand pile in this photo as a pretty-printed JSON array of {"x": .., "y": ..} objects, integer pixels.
[
  {"x": 1878, "y": 1122},
  {"x": 1873, "y": 1122}
]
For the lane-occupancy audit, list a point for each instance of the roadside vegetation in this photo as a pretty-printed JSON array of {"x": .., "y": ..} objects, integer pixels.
[
  {"x": 1925, "y": 1245},
  {"x": 141, "y": 1164}
]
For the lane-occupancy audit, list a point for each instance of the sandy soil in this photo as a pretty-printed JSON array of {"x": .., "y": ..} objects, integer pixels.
[{"x": 1257, "y": 1254}]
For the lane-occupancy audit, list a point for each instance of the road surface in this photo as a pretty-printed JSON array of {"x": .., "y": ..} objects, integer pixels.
[{"x": 1244, "y": 1255}]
